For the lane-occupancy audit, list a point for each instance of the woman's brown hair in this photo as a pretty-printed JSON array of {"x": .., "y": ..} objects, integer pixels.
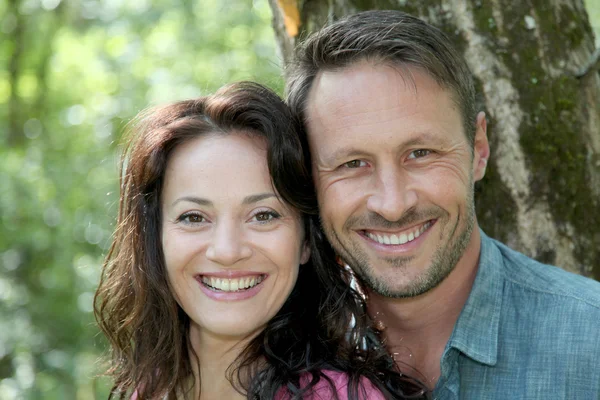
[{"x": 134, "y": 307}]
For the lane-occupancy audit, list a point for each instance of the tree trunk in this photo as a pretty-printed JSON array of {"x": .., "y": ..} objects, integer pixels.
[{"x": 537, "y": 73}]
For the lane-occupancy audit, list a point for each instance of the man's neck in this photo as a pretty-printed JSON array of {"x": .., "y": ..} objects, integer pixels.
[{"x": 418, "y": 328}]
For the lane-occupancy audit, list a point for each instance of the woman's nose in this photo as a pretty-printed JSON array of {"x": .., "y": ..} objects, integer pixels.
[{"x": 228, "y": 245}]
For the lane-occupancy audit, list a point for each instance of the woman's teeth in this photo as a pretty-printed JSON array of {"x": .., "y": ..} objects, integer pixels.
[
  {"x": 232, "y": 285},
  {"x": 401, "y": 238}
]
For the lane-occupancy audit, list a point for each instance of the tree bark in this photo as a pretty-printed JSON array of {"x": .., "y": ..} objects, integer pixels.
[{"x": 537, "y": 73}]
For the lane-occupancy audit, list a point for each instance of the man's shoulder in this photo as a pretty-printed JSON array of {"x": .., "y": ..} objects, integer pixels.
[
  {"x": 540, "y": 332},
  {"x": 549, "y": 281}
]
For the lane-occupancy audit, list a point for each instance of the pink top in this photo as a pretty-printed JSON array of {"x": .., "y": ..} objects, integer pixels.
[{"x": 322, "y": 390}]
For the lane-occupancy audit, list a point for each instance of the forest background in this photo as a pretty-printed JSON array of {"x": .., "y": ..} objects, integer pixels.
[{"x": 71, "y": 75}]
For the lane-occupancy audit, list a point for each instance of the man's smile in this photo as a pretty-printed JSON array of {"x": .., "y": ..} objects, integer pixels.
[{"x": 399, "y": 237}]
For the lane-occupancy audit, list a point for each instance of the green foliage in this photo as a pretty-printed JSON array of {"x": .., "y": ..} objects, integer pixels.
[{"x": 71, "y": 75}]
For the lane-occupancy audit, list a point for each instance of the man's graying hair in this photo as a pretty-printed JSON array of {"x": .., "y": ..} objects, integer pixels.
[{"x": 392, "y": 37}]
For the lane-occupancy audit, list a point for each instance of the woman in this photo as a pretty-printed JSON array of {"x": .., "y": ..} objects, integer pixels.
[{"x": 208, "y": 291}]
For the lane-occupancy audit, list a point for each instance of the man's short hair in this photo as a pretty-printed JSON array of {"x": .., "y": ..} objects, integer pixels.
[{"x": 392, "y": 37}]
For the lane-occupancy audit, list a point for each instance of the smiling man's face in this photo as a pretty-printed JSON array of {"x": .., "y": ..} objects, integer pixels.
[{"x": 394, "y": 173}]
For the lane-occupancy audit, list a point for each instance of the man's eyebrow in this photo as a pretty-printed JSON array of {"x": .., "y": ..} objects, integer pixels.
[
  {"x": 419, "y": 138},
  {"x": 343, "y": 153},
  {"x": 423, "y": 138}
]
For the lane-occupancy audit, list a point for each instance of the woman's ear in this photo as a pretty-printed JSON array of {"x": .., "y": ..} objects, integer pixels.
[{"x": 305, "y": 254}]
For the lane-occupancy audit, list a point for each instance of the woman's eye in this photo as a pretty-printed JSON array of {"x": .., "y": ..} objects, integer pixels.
[
  {"x": 265, "y": 216},
  {"x": 355, "y": 164},
  {"x": 191, "y": 218},
  {"x": 419, "y": 153}
]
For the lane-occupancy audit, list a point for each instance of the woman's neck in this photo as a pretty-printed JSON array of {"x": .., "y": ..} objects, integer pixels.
[{"x": 210, "y": 359}]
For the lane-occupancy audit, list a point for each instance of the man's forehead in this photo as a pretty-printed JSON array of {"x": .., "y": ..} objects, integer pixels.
[
  {"x": 342, "y": 84},
  {"x": 349, "y": 81},
  {"x": 374, "y": 102},
  {"x": 362, "y": 91}
]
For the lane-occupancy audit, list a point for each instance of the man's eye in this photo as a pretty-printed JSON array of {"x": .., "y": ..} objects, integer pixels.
[
  {"x": 419, "y": 153},
  {"x": 355, "y": 164}
]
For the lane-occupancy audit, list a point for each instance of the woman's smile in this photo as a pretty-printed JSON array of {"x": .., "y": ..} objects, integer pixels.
[{"x": 231, "y": 289}]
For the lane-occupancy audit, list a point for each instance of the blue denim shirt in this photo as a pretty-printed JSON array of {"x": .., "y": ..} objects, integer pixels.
[{"x": 527, "y": 331}]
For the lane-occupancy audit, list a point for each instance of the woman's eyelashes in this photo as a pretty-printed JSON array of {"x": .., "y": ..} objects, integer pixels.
[
  {"x": 265, "y": 216},
  {"x": 191, "y": 218},
  {"x": 261, "y": 217}
]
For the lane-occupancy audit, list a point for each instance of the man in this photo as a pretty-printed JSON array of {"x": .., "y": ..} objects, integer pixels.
[{"x": 396, "y": 145}]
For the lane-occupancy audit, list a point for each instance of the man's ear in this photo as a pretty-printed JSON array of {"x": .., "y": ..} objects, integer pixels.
[
  {"x": 481, "y": 148},
  {"x": 305, "y": 254}
]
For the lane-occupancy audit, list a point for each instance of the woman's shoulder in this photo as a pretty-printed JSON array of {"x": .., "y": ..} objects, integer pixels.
[{"x": 324, "y": 390}]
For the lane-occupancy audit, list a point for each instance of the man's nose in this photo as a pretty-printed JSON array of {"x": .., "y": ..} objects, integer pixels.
[
  {"x": 228, "y": 245},
  {"x": 391, "y": 194}
]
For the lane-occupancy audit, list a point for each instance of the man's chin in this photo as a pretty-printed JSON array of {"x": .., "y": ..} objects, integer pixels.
[
  {"x": 400, "y": 291},
  {"x": 407, "y": 286}
]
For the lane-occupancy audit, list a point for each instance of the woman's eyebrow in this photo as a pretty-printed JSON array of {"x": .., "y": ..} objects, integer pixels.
[
  {"x": 255, "y": 198},
  {"x": 193, "y": 199}
]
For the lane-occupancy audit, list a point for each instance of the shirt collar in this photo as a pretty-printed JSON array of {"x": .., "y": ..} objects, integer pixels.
[{"x": 476, "y": 331}]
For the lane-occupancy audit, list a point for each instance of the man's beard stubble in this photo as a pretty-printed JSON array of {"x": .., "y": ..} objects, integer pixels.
[{"x": 443, "y": 262}]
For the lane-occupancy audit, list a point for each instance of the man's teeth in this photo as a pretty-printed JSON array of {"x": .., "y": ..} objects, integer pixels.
[
  {"x": 401, "y": 238},
  {"x": 232, "y": 285}
]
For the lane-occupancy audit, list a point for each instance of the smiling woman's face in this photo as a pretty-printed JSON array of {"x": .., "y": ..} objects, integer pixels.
[{"x": 232, "y": 248}]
